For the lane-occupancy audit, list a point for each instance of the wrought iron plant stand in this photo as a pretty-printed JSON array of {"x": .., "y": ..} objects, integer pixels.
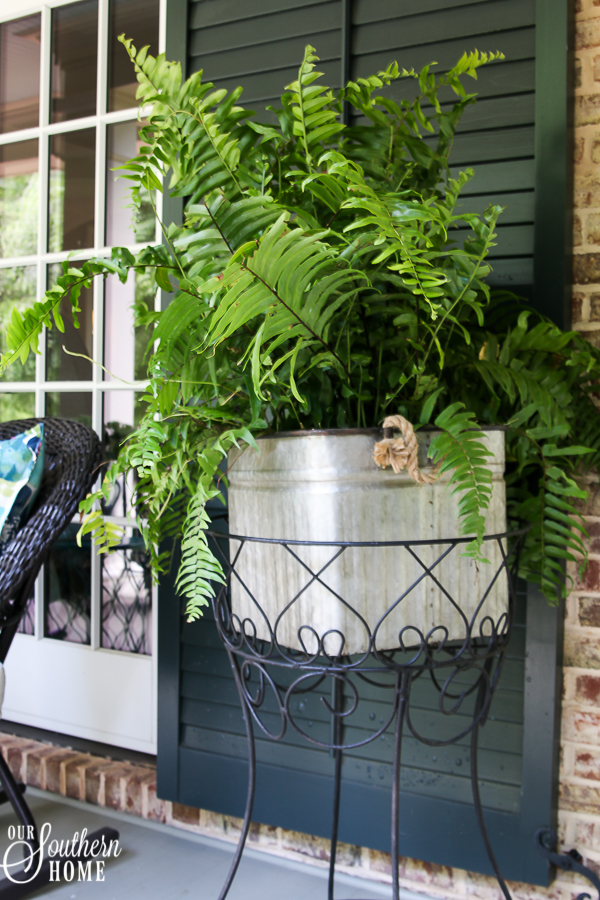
[{"x": 269, "y": 675}]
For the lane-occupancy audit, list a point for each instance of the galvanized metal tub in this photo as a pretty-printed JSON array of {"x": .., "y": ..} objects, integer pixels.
[{"x": 326, "y": 487}]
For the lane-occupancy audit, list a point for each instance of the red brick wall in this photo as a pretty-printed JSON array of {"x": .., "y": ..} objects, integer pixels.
[
  {"x": 580, "y": 769},
  {"x": 131, "y": 788}
]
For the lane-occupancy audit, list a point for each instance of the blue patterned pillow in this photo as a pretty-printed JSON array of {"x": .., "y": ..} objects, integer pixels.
[{"x": 21, "y": 470}]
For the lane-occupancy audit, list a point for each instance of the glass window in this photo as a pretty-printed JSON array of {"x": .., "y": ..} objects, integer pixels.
[
  {"x": 27, "y": 623},
  {"x": 76, "y": 405},
  {"x": 20, "y": 73},
  {"x": 137, "y": 19},
  {"x": 37, "y": 233},
  {"x": 127, "y": 597},
  {"x": 125, "y": 345},
  {"x": 17, "y": 291},
  {"x": 16, "y": 405},
  {"x": 123, "y": 142},
  {"x": 119, "y": 418},
  {"x": 59, "y": 365},
  {"x": 72, "y": 185},
  {"x": 74, "y": 61},
  {"x": 67, "y": 588},
  {"x": 18, "y": 198},
  {"x": 121, "y": 412}
]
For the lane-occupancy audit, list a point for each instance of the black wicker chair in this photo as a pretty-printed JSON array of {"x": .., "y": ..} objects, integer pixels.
[{"x": 72, "y": 458}]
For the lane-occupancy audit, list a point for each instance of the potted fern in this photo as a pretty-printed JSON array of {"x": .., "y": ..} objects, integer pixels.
[{"x": 326, "y": 278}]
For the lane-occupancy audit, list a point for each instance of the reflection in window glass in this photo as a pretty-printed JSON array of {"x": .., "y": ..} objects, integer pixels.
[
  {"x": 123, "y": 143},
  {"x": 20, "y": 73},
  {"x": 59, "y": 365},
  {"x": 18, "y": 198},
  {"x": 17, "y": 291},
  {"x": 125, "y": 345},
  {"x": 121, "y": 413},
  {"x": 138, "y": 19},
  {"x": 71, "y": 207},
  {"x": 27, "y": 623},
  {"x": 127, "y": 597},
  {"x": 67, "y": 588},
  {"x": 74, "y": 55},
  {"x": 16, "y": 405},
  {"x": 75, "y": 405}
]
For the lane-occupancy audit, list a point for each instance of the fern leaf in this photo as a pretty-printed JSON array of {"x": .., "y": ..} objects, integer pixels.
[
  {"x": 313, "y": 107},
  {"x": 198, "y": 568},
  {"x": 460, "y": 450},
  {"x": 105, "y": 534}
]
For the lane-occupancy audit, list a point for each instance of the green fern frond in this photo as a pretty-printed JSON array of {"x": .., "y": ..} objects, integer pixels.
[
  {"x": 198, "y": 568},
  {"x": 105, "y": 534},
  {"x": 314, "y": 109},
  {"x": 24, "y": 330},
  {"x": 292, "y": 284},
  {"x": 460, "y": 450},
  {"x": 557, "y": 534}
]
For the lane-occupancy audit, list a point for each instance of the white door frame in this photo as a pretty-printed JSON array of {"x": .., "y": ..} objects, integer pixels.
[{"x": 83, "y": 690}]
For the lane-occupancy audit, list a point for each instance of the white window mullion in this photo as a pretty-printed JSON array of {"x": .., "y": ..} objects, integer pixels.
[
  {"x": 162, "y": 30},
  {"x": 101, "y": 92},
  {"x": 45, "y": 65},
  {"x": 96, "y": 600},
  {"x": 14, "y": 9},
  {"x": 43, "y": 176},
  {"x": 38, "y": 615},
  {"x": 13, "y": 137},
  {"x": 100, "y": 189},
  {"x": 97, "y": 336},
  {"x": 102, "y": 86}
]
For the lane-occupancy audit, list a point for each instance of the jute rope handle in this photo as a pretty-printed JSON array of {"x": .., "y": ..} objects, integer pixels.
[{"x": 401, "y": 453}]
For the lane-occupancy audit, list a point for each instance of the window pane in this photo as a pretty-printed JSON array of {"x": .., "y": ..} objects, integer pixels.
[
  {"x": 123, "y": 143},
  {"x": 121, "y": 413},
  {"x": 20, "y": 73},
  {"x": 75, "y": 405},
  {"x": 17, "y": 291},
  {"x": 67, "y": 588},
  {"x": 127, "y": 597},
  {"x": 18, "y": 198},
  {"x": 137, "y": 19},
  {"x": 71, "y": 212},
  {"x": 74, "y": 60},
  {"x": 124, "y": 344},
  {"x": 27, "y": 623},
  {"x": 16, "y": 405},
  {"x": 59, "y": 365}
]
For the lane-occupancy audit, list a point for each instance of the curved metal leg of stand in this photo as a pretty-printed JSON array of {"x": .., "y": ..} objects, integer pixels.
[
  {"x": 338, "y": 702},
  {"x": 477, "y": 798},
  {"x": 251, "y": 784},
  {"x": 402, "y": 694}
]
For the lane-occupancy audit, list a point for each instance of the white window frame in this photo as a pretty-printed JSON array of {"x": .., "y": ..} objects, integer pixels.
[{"x": 15, "y": 9}]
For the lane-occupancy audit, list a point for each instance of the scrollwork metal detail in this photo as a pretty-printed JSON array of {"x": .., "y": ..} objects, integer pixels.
[
  {"x": 352, "y": 655},
  {"x": 572, "y": 861}
]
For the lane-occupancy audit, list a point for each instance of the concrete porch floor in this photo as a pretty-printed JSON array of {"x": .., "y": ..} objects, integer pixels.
[{"x": 162, "y": 863}]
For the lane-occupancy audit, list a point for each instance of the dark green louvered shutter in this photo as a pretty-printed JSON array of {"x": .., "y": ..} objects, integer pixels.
[{"x": 202, "y": 751}]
